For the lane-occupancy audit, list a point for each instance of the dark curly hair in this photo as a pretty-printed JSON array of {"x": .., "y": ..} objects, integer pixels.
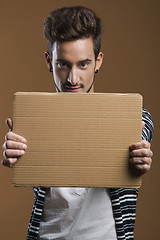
[{"x": 72, "y": 23}]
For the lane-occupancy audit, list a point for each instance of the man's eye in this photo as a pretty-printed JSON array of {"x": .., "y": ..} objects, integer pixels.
[
  {"x": 84, "y": 64},
  {"x": 62, "y": 65}
]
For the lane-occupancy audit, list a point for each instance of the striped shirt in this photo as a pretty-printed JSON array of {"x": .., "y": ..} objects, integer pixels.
[{"x": 123, "y": 200}]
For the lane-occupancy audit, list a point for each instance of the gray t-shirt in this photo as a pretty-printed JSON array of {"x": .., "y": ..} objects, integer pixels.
[{"x": 76, "y": 214}]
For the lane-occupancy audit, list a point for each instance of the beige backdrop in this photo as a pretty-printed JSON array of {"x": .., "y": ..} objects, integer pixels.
[{"x": 130, "y": 44}]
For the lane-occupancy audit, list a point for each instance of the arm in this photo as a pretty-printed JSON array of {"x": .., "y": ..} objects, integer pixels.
[{"x": 14, "y": 146}]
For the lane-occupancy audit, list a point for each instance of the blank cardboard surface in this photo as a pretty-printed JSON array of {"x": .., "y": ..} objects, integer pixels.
[{"x": 77, "y": 139}]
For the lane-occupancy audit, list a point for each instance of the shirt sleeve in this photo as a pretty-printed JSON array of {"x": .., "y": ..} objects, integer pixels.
[{"x": 147, "y": 132}]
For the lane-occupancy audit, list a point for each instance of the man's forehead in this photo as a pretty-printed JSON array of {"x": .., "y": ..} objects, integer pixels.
[{"x": 81, "y": 48}]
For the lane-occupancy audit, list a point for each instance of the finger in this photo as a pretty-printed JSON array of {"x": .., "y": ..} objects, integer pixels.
[
  {"x": 9, "y": 123},
  {"x": 139, "y": 145},
  {"x": 141, "y": 153},
  {"x": 14, "y": 145},
  {"x": 143, "y": 168},
  {"x": 143, "y": 124},
  {"x": 9, "y": 162},
  {"x": 15, "y": 137},
  {"x": 10, "y": 153},
  {"x": 140, "y": 161}
]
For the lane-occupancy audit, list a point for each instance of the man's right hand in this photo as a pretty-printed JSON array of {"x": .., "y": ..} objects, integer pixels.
[{"x": 14, "y": 146}]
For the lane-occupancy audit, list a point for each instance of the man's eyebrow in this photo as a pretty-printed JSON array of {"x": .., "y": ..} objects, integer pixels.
[
  {"x": 82, "y": 61},
  {"x": 62, "y": 60},
  {"x": 85, "y": 60}
]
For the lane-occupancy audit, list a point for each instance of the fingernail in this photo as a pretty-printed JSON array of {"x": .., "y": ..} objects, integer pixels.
[
  {"x": 23, "y": 140},
  {"x": 24, "y": 146},
  {"x": 22, "y": 151}
]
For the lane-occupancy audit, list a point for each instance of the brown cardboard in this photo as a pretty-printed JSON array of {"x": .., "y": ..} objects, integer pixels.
[{"x": 77, "y": 139}]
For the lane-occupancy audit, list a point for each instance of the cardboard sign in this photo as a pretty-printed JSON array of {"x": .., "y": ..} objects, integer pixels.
[{"x": 77, "y": 139}]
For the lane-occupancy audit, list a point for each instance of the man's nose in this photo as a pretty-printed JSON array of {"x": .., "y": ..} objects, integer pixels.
[{"x": 73, "y": 76}]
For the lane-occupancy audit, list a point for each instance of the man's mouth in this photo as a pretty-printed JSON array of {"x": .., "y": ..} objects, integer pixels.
[{"x": 72, "y": 89}]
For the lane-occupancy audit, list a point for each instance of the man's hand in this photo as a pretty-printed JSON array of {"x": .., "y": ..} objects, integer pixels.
[
  {"x": 14, "y": 146},
  {"x": 141, "y": 155}
]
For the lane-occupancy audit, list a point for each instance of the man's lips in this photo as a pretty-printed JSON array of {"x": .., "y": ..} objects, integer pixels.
[{"x": 72, "y": 89}]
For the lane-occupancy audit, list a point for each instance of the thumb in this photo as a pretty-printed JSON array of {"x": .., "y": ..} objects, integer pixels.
[
  {"x": 143, "y": 124},
  {"x": 9, "y": 123}
]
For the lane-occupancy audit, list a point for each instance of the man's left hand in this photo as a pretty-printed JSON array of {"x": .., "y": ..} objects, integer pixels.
[{"x": 141, "y": 155}]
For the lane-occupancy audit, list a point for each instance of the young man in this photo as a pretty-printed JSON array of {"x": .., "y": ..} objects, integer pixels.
[{"x": 74, "y": 41}]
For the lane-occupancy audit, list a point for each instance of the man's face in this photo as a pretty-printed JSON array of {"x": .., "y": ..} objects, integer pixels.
[{"x": 74, "y": 65}]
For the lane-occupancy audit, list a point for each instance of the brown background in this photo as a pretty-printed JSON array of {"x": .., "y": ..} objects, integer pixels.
[{"x": 131, "y": 37}]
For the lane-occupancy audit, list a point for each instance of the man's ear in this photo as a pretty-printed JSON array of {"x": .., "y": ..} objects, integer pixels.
[
  {"x": 48, "y": 61},
  {"x": 99, "y": 61}
]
